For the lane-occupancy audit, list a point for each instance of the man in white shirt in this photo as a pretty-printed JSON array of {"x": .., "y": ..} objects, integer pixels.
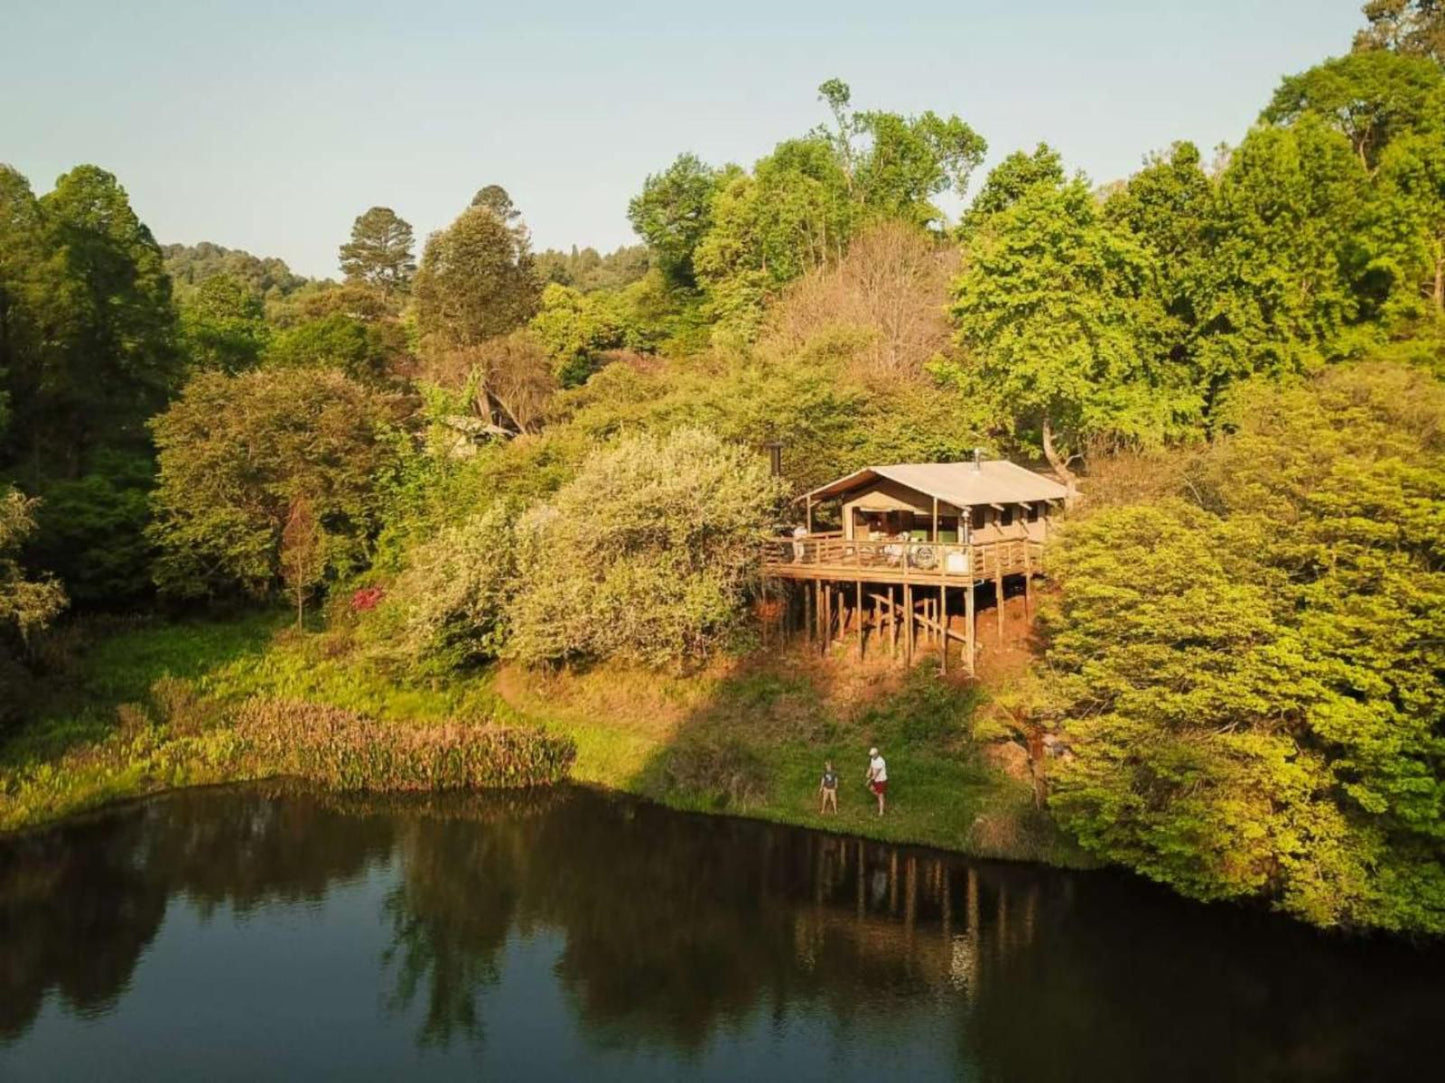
[{"x": 877, "y": 777}]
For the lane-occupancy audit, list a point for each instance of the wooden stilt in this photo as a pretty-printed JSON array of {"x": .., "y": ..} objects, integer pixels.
[
  {"x": 809, "y": 626},
  {"x": 858, "y": 616},
  {"x": 908, "y": 624},
  {"x": 1028, "y": 584},
  {"x": 998, "y": 598},
  {"x": 968, "y": 629},
  {"x": 943, "y": 620}
]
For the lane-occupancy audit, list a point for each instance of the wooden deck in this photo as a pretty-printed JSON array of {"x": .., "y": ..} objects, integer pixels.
[{"x": 833, "y": 557}]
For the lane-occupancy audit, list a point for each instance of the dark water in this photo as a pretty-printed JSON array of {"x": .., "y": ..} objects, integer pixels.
[{"x": 268, "y": 933}]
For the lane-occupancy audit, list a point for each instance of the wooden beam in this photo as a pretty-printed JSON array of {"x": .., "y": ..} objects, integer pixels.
[
  {"x": 943, "y": 619},
  {"x": 858, "y": 616},
  {"x": 998, "y": 596},
  {"x": 968, "y": 628}
]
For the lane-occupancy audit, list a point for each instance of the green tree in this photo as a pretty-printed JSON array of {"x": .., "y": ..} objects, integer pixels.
[
  {"x": 1060, "y": 327},
  {"x": 119, "y": 361},
  {"x": 1248, "y": 675},
  {"x": 1009, "y": 180},
  {"x": 237, "y": 452},
  {"x": 363, "y": 351},
  {"x": 1371, "y": 97},
  {"x": 26, "y": 605},
  {"x": 476, "y": 280},
  {"x": 494, "y": 197},
  {"x": 380, "y": 251},
  {"x": 1282, "y": 291},
  {"x": 1409, "y": 217},
  {"x": 1413, "y": 27},
  {"x": 576, "y": 328},
  {"x": 223, "y": 325},
  {"x": 673, "y": 213}
]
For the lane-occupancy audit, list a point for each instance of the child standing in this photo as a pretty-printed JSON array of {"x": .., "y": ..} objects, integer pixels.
[{"x": 828, "y": 788}]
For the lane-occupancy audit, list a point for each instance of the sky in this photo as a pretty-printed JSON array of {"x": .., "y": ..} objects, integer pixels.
[{"x": 269, "y": 126}]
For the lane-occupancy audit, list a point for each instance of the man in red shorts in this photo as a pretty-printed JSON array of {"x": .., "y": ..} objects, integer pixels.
[{"x": 877, "y": 777}]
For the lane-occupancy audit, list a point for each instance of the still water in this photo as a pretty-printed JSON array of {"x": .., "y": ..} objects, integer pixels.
[{"x": 267, "y": 932}]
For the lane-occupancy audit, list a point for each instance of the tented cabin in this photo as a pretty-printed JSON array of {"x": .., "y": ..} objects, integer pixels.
[{"x": 908, "y": 533}]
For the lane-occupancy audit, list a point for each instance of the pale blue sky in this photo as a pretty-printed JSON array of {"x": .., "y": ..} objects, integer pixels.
[{"x": 269, "y": 126}]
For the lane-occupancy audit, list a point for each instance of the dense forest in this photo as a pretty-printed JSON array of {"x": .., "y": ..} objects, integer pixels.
[{"x": 478, "y": 453}]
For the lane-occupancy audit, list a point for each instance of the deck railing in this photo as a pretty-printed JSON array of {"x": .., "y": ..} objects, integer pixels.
[{"x": 822, "y": 555}]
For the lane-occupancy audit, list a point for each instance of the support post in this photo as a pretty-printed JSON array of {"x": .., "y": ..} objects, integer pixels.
[
  {"x": 858, "y": 616},
  {"x": 1028, "y": 583},
  {"x": 908, "y": 629},
  {"x": 809, "y": 623},
  {"x": 998, "y": 595},
  {"x": 943, "y": 623},
  {"x": 968, "y": 631}
]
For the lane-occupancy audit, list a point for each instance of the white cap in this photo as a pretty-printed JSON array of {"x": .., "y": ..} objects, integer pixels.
[{"x": 872, "y": 752}]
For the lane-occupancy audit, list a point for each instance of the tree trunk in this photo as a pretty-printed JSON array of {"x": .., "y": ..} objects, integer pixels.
[
  {"x": 1440, "y": 277},
  {"x": 1057, "y": 461}
]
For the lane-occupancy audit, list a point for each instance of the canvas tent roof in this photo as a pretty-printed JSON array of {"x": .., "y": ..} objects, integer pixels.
[{"x": 966, "y": 484}]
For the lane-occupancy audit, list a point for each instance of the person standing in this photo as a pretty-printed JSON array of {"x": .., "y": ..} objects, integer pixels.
[
  {"x": 828, "y": 789},
  {"x": 878, "y": 777}
]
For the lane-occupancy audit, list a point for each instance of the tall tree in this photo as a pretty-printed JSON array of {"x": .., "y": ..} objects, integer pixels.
[
  {"x": 1414, "y": 27},
  {"x": 380, "y": 251},
  {"x": 223, "y": 325},
  {"x": 1009, "y": 180},
  {"x": 1371, "y": 97},
  {"x": 673, "y": 213},
  {"x": 1060, "y": 327},
  {"x": 476, "y": 280},
  {"x": 496, "y": 199},
  {"x": 120, "y": 359}
]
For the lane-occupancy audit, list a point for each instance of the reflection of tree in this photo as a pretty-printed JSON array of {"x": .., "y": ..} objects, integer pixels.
[
  {"x": 77, "y": 908},
  {"x": 79, "y": 904},
  {"x": 1098, "y": 976},
  {"x": 450, "y": 916}
]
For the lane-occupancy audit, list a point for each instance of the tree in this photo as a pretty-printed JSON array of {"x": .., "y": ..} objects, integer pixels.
[
  {"x": 380, "y": 251},
  {"x": 1247, "y": 674},
  {"x": 303, "y": 556},
  {"x": 26, "y": 605},
  {"x": 476, "y": 281},
  {"x": 363, "y": 351},
  {"x": 223, "y": 325},
  {"x": 1371, "y": 97},
  {"x": 1412, "y": 27},
  {"x": 235, "y": 455},
  {"x": 119, "y": 360},
  {"x": 1409, "y": 215},
  {"x": 673, "y": 214},
  {"x": 894, "y": 164},
  {"x": 1061, "y": 328},
  {"x": 1282, "y": 290},
  {"x": 494, "y": 198},
  {"x": 649, "y": 553},
  {"x": 576, "y": 328},
  {"x": 1009, "y": 180},
  {"x": 500, "y": 387}
]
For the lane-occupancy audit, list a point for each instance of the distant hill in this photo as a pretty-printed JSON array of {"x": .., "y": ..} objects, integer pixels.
[{"x": 191, "y": 264}]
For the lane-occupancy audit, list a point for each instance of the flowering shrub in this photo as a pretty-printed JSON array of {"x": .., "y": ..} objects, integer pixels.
[
  {"x": 366, "y": 599},
  {"x": 344, "y": 750}
]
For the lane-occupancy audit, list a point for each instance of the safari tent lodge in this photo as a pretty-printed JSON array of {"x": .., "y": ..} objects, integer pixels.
[{"x": 891, "y": 550}]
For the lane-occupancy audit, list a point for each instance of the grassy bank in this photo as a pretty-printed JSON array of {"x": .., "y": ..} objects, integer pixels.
[{"x": 150, "y": 706}]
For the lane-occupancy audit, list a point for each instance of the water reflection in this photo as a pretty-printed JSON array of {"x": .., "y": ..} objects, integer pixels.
[{"x": 674, "y": 939}]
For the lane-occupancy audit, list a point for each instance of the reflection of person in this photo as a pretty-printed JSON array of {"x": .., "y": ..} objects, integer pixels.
[
  {"x": 828, "y": 788},
  {"x": 877, "y": 777}
]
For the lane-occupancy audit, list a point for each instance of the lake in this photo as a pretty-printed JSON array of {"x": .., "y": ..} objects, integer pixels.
[{"x": 272, "y": 932}]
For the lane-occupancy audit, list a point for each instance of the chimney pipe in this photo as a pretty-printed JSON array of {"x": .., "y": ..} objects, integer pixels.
[
  {"x": 775, "y": 457},
  {"x": 978, "y": 459}
]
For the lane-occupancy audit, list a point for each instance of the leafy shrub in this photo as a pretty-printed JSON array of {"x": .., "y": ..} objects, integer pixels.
[
  {"x": 344, "y": 750},
  {"x": 448, "y": 608},
  {"x": 649, "y": 554},
  {"x": 723, "y": 772}
]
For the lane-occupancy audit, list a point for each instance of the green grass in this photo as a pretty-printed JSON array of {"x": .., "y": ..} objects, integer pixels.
[{"x": 751, "y": 741}]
